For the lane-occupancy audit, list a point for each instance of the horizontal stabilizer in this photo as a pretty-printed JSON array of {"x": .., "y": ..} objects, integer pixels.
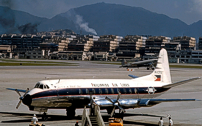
[
  {"x": 20, "y": 90},
  {"x": 180, "y": 82},
  {"x": 133, "y": 76}
]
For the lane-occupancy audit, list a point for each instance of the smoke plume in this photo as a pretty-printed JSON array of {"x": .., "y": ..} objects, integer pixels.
[
  {"x": 28, "y": 28},
  {"x": 84, "y": 25},
  {"x": 79, "y": 22}
]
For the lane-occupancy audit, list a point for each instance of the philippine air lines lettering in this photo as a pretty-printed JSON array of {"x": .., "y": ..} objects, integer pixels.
[
  {"x": 107, "y": 85},
  {"x": 125, "y": 85},
  {"x": 100, "y": 85}
]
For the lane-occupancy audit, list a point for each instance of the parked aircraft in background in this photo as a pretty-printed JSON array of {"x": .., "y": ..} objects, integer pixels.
[
  {"x": 109, "y": 94},
  {"x": 150, "y": 64}
]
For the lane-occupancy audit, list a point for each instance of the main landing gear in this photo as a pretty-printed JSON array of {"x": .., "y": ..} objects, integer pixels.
[
  {"x": 116, "y": 115},
  {"x": 71, "y": 112},
  {"x": 44, "y": 117}
]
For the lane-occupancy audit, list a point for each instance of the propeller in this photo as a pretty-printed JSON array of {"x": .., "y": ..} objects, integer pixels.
[
  {"x": 21, "y": 97},
  {"x": 115, "y": 104},
  {"x": 91, "y": 104},
  {"x": 91, "y": 98}
]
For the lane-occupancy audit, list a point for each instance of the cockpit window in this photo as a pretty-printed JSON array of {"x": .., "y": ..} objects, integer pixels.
[
  {"x": 37, "y": 85},
  {"x": 46, "y": 86},
  {"x": 41, "y": 86}
]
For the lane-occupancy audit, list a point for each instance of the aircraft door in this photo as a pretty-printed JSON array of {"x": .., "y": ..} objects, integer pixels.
[{"x": 58, "y": 94}]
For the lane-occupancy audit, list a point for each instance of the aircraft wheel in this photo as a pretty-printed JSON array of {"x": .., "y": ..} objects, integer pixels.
[
  {"x": 119, "y": 115},
  {"x": 71, "y": 112},
  {"x": 44, "y": 117},
  {"x": 109, "y": 110}
]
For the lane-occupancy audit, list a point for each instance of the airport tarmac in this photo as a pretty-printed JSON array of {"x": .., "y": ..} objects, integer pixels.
[{"x": 22, "y": 77}]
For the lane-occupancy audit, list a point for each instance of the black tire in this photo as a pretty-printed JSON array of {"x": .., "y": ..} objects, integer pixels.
[
  {"x": 109, "y": 110},
  {"x": 71, "y": 112},
  {"x": 44, "y": 118}
]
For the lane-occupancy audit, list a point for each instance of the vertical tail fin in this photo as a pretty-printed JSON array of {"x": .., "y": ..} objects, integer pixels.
[
  {"x": 123, "y": 62},
  {"x": 162, "y": 70}
]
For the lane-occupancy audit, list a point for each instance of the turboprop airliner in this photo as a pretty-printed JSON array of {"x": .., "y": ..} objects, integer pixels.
[{"x": 109, "y": 94}]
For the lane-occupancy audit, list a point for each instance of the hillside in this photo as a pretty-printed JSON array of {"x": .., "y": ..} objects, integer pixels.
[{"x": 101, "y": 19}]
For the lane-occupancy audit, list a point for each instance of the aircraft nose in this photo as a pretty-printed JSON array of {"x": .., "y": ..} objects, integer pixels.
[{"x": 27, "y": 100}]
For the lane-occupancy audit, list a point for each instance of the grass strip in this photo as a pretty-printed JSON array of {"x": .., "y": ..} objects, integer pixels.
[
  {"x": 172, "y": 66},
  {"x": 20, "y": 61},
  {"x": 36, "y": 64},
  {"x": 186, "y": 66},
  {"x": 112, "y": 63}
]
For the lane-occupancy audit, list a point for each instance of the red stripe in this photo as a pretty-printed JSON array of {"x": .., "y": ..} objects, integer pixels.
[{"x": 158, "y": 79}]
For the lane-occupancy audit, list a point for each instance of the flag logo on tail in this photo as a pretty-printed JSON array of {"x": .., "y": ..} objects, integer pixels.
[{"x": 157, "y": 77}]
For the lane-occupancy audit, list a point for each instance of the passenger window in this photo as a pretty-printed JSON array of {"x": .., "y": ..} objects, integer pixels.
[
  {"x": 100, "y": 91},
  {"x": 118, "y": 90},
  {"x": 80, "y": 92},
  {"x": 130, "y": 91},
  {"x": 112, "y": 90},
  {"x": 106, "y": 91},
  {"x": 135, "y": 90},
  {"x": 93, "y": 90},
  {"x": 124, "y": 90},
  {"x": 87, "y": 91}
]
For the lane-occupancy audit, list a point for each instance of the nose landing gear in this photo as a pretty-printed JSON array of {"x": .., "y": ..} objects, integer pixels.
[{"x": 44, "y": 117}]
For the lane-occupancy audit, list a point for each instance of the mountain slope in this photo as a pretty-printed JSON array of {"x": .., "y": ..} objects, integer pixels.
[
  {"x": 100, "y": 18},
  {"x": 10, "y": 20},
  {"x": 123, "y": 20}
]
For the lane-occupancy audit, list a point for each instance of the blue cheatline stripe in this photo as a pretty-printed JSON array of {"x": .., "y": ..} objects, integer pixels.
[{"x": 95, "y": 91}]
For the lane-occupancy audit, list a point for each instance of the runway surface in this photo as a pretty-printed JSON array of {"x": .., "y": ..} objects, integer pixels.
[{"x": 22, "y": 77}]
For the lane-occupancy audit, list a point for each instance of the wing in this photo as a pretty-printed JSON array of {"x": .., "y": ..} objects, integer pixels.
[
  {"x": 157, "y": 101},
  {"x": 19, "y": 90},
  {"x": 133, "y": 103},
  {"x": 180, "y": 82},
  {"x": 144, "y": 61}
]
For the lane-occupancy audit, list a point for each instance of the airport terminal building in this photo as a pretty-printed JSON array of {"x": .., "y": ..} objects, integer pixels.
[{"x": 181, "y": 49}]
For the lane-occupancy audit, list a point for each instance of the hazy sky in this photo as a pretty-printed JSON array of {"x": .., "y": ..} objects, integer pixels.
[{"x": 189, "y": 11}]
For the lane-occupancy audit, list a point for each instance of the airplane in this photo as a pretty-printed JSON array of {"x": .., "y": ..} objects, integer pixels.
[
  {"x": 109, "y": 94},
  {"x": 150, "y": 64}
]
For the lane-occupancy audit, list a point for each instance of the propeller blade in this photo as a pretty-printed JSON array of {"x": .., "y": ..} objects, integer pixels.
[
  {"x": 116, "y": 103},
  {"x": 109, "y": 100},
  {"x": 18, "y": 92},
  {"x": 120, "y": 108},
  {"x": 26, "y": 92},
  {"x": 91, "y": 96},
  {"x": 21, "y": 97},
  {"x": 91, "y": 102},
  {"x": 18, "y": 104},
  {"x": 112, "y": 113},
  {"x": 119, "y": 95}
]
